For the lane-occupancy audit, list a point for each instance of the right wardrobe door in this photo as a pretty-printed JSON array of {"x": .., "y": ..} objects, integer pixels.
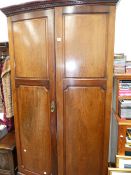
[{"x": 84, "y": 59}]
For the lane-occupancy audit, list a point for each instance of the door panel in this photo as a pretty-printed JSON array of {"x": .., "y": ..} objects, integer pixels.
[
  {"x": 34, "y": 123},
  {"x": 32, "y": 54},
  {"x": 85, "y": 45},
  {"x": 83, "y": 130},
  {"x": 84, "y": 59},
  {"x": 33, "y": 80}
]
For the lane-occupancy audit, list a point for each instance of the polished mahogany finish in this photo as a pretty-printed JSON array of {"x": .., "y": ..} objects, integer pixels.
[
  {"x": 33, "y": 82},
  {"x": 31, "y": 54},
  {"x": 35, "y": 128},
  {"x": 62, "y": 62},
  {"x": 84, "y": 59},
  {"x": 45, "y": 4},
  {"x": 83, "y": 130},
  {"x": 80, "y": 48}
]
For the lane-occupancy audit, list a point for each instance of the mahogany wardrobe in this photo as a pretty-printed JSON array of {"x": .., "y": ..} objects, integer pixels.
[{"x": 62, "y": 66}]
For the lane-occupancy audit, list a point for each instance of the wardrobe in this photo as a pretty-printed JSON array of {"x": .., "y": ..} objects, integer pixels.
[{"x": 62, "y": 66}]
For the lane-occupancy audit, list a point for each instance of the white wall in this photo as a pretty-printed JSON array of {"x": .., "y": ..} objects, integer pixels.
[
  {"x": 123, "y": 25},
  {"x": 123, "y": 28},
  {"x": 3, "y": 19},
  {"x": 4, "y": 3},
  {"x": 3, "y": 28}
]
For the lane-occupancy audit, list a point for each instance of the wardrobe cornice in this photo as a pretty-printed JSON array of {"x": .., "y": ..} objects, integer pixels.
[{"x": 44, "y": 4}]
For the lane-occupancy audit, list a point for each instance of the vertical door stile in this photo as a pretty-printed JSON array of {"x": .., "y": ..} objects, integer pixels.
[{"x": 59, "y": 86}]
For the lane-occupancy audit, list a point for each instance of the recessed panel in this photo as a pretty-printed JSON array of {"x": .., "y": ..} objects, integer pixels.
[
  {"x": 34, "y": 123},
  {"x": 85, "y": 45},
  {"x": 30, "y": 48},
  {"x": 84, "y": 130}
]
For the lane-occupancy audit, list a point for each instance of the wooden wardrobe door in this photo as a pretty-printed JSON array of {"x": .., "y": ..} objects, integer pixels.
[
  {"x": 84, "y": 59},
  {"x": 33, "y": 79}
]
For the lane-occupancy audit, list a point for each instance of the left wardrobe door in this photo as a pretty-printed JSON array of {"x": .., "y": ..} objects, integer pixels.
[{"x": 31, "y": 38}]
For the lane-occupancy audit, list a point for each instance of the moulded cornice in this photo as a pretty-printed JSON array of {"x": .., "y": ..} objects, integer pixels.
[{"x": 44, "y": 4}]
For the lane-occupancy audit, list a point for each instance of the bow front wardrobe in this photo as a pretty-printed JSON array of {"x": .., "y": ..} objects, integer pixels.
[{"x": 61, "y": 61}]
